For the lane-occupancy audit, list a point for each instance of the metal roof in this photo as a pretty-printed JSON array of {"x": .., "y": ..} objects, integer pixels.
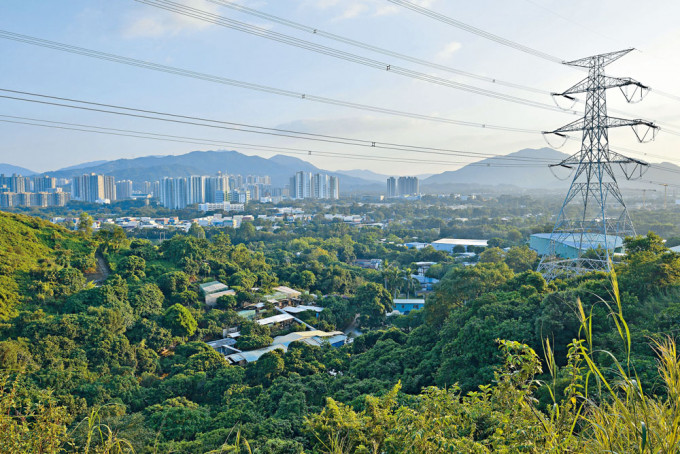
[
  {"x": 302, "y": 308},
  {"x": 589, "y": 241},
  {"x": 212, "y": 287},
  {"x": 461, "y": 242},
  {"x": 275, "y": 319}
]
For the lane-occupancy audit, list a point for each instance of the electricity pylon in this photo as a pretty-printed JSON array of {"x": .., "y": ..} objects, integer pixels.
[{"x": 593, "y": 219}]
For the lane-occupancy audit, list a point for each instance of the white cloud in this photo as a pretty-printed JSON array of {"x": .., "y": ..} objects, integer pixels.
[
  {"x": 350, "y": 9},
  {"x": 154, "y": 22},
  {"x": 450, "y": 49}
]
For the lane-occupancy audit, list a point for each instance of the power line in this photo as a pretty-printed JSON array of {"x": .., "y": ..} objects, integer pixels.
[
  {"x": 477, "y": 31},
  {"x": 247, "y": 85},
  {"x": 195, "y": 13},
  {"x": 242, "y": 127},
  {"x": 380, "y": 50},
  {"x": 257, "y": 147},
  {"x": 498, "y": 39},
  {"x": 568, "y": 19}
]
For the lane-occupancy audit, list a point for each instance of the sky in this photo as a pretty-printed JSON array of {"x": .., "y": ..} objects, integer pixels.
[{"x": 568, "y": 30}]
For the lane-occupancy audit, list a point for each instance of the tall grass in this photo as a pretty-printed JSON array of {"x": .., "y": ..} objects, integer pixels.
[{"x": 619, "y": 417}]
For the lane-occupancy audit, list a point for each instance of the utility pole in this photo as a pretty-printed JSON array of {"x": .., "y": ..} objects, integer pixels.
[{"x": 593, "y": 217}]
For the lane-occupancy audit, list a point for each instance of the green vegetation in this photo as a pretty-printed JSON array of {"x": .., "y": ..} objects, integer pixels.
[{"x": 497, "y": 361}]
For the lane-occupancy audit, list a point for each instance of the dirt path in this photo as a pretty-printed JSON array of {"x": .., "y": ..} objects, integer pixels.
[{"x": 103, "y": 270}]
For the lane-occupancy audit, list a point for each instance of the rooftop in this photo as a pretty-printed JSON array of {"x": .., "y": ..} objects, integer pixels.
[
  {"x": 275, "y": 319},
  {"x": 305, "y": 336},
  {"x": 212, "y": 287},
  {"x": 409, "y": 301},
  {"x": 302, "y": 308},
  {"x": 462, "y": 242},
  {"x": 254, "y": 355},
  {"x": 589, "y": 240}
]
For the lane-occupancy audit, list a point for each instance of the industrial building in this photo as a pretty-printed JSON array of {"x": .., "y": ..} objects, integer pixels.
[
  {"x": 448, "y": 244},
  {"x": 567, "y": 244}
]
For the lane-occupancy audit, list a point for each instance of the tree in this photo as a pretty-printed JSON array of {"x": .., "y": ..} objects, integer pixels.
[
  {"x": 132, "y": 267},
  {"x": 244, "y": 279},
  {"x": 306, "y": 279},
  {"x": 85, "y": 223},
  {"x": 226, "y": 302},
  {"x": 269, "y": 366},
  {"x": 521, "y": 258},
  {"x": 463, "y": 284},
  {"x": 196, "y": 231},
  {"x": 652, "y": 243},
  {"x": 180, "y": 321},
  {"x": 492, "y": 255},
  {"x": 373, "y": 302},
  {"x": 173, "y": 282},
  {"x": 148, "y": 300}
]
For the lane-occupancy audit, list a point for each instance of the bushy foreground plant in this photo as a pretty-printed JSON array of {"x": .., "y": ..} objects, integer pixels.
[{"x": 593, "y": 409}]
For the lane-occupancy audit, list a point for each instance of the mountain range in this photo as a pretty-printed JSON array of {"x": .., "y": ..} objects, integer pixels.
[
  {"x": 522, "y": 170},
  {"x": 9, "y": 169}
]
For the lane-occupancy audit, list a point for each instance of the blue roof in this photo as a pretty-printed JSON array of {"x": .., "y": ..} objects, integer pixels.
[{"x": 589, "y": 241}]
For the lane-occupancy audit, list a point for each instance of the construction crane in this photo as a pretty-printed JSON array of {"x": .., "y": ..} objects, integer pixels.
[{"x": 665, "y": 191}]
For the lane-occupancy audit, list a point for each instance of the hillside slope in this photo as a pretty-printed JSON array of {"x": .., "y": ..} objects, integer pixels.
[{"x": 29, "y": 244}]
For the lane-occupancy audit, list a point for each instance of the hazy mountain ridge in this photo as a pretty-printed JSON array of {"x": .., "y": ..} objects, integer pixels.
[
  {"x": 523, "y": 170},
  {"x": 9, "y": 169},
  {"x": 518, "y": 171},
  {"x": 151, "y": 168}
]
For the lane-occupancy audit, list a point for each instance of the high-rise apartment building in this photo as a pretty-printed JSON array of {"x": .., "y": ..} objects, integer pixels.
[
  {"x": 216, "y": 187},
  {"x": 301, "y": 185},
  {"x": 174, "y": 193},
  {"x": 334, "y": 188},
  {"x": 44, "y": 184},
  {"x": 93, "y": 188},
  {"x": 304, "y": 185},
  {"x": 123, "y": 190},
  {"x": 15, "y": 183},
  {"x": 196, "y": 189},
  {"x": 320, "y": 189},
  {"x": 392, "y": 187},
  {"x": 408, "y": 186}
]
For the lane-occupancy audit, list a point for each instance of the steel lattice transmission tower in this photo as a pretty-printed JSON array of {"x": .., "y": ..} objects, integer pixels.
[{"x": 593, "y": 219}]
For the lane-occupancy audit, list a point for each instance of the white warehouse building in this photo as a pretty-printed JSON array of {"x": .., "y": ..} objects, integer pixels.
[{"x": 447, "y": 244}]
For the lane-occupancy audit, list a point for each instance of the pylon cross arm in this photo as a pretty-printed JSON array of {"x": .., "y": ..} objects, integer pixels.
[{"x": 605, "y": 82}]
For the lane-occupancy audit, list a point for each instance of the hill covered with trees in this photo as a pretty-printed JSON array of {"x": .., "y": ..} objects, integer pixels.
[{"x": 497, "y": 361}]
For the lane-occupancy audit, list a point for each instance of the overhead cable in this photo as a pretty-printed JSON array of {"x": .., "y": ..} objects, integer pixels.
[
  {"x": 256, "y": 147},
  {"x": 477, "y": 31},
  {"x": 380, "y": 50},
  {"x": 247, "y": 85},
  {"x": 234, "y": 126},
  {"x": 196, "y": 13}
]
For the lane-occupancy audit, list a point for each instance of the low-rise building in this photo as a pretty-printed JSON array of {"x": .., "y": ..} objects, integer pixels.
[
  {"x": 372, "y": 264},
  {"x": 567, "y": 244},
  {"x": 213, "y": 290},
  {"x": 448, "y": 244},
  {"x": 303, "y": 308},
  {"x": 406, "y": 305},
  {"x": 277, "y": 321},
  {"x": 314, "y": 338}
]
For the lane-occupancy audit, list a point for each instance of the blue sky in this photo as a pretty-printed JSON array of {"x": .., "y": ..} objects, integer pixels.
[{"x": 136, "y": 30}]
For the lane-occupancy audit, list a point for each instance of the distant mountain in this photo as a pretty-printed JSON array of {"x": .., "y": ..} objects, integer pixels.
[
  {"x": 84, "y": 165},
  {"x": 504, "y": 171},
  {"x": 490, "y": 174},
  {"x": 9, "y": 169},
  {"x": 373, "y": 176},
  {"x": 151, "y": 168},
  {"x": 365, "y": 174}
]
